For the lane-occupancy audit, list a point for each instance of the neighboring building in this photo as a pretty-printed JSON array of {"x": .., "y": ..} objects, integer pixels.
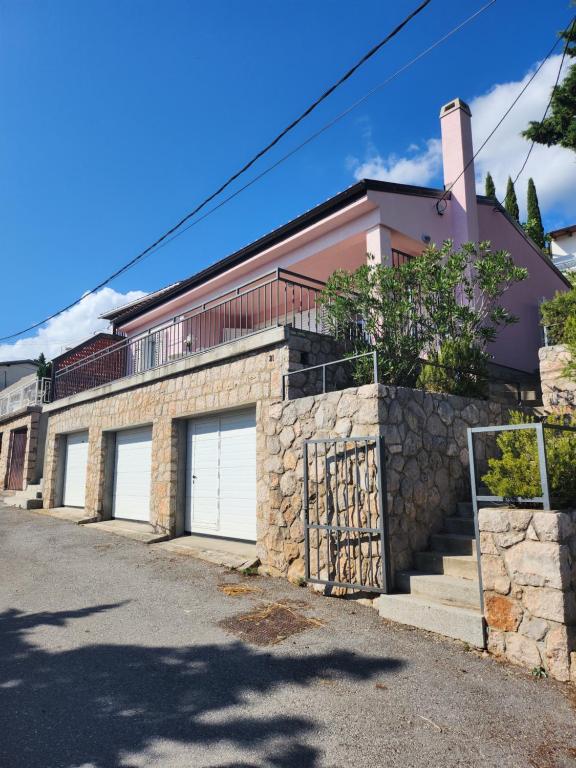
[
  {"x": 22, "y": 432},
  {"x": 12, "y": 371},
  {"x": 168, "y": 421},
  {"x": 563, "y": 247}
]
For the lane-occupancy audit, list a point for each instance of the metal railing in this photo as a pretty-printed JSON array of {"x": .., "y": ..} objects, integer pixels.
[
  {"x": 34, "y": 393},
  {"x": 278, "y": 298},
  {"x": 324, "y": 367},
  {"x": 539, "y": 427},
  {"x": 400, "y": 257}
]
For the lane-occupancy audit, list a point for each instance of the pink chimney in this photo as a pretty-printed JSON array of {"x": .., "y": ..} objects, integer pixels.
[{"x": 457, "y": 153}]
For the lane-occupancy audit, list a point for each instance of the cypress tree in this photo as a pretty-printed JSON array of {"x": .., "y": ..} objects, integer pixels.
[
  {"x": 511, "y": 202},
  {"x": 489, "y": 188},
  {"x": 534, "y": 225}
]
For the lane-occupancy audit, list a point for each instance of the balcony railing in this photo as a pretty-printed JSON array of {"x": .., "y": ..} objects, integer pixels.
[
  {"x": 278, "y": 298},
  {"x": 34, "y": 393}
]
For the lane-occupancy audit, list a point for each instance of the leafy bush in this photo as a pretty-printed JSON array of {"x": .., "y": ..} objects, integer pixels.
[
  {"x": 405, "y": 313},
  {"x": 515, "y": 473},
  {"x": 456, "y": 369},
  {"x": 555, "y": 314},
  {"x": 570, "y": 341}
]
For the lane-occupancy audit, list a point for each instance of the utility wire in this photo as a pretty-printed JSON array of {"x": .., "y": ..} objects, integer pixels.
[
  {"x": 347, "y": 75},
  {"x": 499, "y": 123},
  {"x": 570, "y": 28},
  {"x": 325, "y": 127}
]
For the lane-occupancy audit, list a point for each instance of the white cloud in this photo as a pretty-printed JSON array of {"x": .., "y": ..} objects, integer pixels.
[
  {"x": 421, "y": 168},
  {"x": 552, "y": 168},
  {"x": 70, "y": 327}
]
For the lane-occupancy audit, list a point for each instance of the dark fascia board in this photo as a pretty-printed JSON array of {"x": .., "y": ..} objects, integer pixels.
[
  {"x": 19, "y": 362},
  {"x": 500, "y": 208},
  {"x": 562, "y": 231},
  {"x": 85, "y": 341},
  {"x": 339, "y": 201}
]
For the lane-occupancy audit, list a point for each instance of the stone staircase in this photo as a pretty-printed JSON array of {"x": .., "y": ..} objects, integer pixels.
[
  {"x": 30, "y": 498},
  {"x": 442, "y": 594}
]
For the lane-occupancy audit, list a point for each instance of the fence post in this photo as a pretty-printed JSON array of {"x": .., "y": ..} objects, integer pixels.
[
  {"x": 375, "y": 366},
  {"x": 543, "y": 465},
  {"x": 472, "y": 465},
  {"x": 323, "y": 379},
  {"x": 305, "y": 513},
  {"x": 383, "y": 514}
]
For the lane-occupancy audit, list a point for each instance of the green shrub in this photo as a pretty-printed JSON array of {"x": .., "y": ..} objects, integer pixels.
[
  {"x": 555, "y": 314},
  {"x": 570, "y": 341},
  {"x": 515, "y": 473},
  {"x": 456, "y": 369}
]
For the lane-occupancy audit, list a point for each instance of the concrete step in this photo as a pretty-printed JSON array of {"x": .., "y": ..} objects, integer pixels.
[
  {"x": 437, "y": 586},
  {"x": 455, "y": 543},
  {"x": 465, "y": 509},
  {"x": 449, "y": 620},
  {"x": 22, "y": 502},
  {"x": 463, "y": 566},
  {"x": 462, "y": 525}
]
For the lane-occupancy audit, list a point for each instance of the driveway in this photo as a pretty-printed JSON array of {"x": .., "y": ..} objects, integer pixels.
[{"x": 112, "y": 654}]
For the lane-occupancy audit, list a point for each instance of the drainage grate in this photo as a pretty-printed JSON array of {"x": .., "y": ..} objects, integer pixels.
[{"x": 269, "y": 624}]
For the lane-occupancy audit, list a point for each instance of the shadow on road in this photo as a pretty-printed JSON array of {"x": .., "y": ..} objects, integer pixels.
[{"x": 98, "y": 704}]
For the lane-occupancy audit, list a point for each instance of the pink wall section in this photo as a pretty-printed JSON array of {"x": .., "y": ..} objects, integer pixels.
[{"x": 517, "y": 346}]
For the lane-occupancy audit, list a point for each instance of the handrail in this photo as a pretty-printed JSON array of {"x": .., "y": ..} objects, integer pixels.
[
  {"x": 33, "y": 393},
  {"x": 274, "y": 299}
]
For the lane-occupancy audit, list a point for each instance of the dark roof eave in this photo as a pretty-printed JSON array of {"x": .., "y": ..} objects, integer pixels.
[{"x": 339, "y": 201}]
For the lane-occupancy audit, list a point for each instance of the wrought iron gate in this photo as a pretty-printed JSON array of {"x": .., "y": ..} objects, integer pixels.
[{"x": 345, "y": 520}]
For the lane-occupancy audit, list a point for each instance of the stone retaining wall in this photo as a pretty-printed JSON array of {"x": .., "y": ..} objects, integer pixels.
[
  {"x": 529, "y": 581},
  {"x": 558, "y": 392},
  {"x": 427, "y": 462}
]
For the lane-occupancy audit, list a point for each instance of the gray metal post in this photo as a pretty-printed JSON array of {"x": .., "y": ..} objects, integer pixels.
[
  {"x": 375, "y": 366},
  {"x": 543, "y": 465},
  {"x": 383, "y": 514},
  {"x": 323, "y": 379},
  {"x": 475, "y": 511},
  {"x": 305, "y": 512}
]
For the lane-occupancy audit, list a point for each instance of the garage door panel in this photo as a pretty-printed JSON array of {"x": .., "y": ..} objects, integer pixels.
[
  {"x": 221, "y": 475},
  {"x": 76, "y": 462},
  {"x": 132, "y": 476}
]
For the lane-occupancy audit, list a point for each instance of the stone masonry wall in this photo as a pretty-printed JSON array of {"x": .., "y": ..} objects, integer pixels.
[
  {"x": 241, "y": 381},
  {"x": 528, "y": 562},
  {"x": 558, "y": 392},
  {"x": 30, "y": 421},
  {"x": 427, "y": 462}
]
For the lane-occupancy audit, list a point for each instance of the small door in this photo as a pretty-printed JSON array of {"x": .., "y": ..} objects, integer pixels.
[
  {"x": 15, "y": 476},
  {"x": 76, "y": 461},
  {"x": 221, "y": 476},
  {"x": 132, "y": 474}
]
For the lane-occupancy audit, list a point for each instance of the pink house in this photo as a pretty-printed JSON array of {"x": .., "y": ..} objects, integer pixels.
[
  {"x": 274, "y": 279},
  {"x": 177, "y": 420}
]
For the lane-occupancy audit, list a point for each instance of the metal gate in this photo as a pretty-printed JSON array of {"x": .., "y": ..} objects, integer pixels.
[
  {"x": 345, "y": 521},
  {"x": 15, "y": 478}
]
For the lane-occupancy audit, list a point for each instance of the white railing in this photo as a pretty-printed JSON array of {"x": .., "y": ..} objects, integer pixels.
[{"x": 34, "y": 393}]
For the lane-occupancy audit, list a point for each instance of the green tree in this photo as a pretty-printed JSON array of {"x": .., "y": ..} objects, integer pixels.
[
  {"x": 442, "y": 307},
  {"x": 534, "y": 227},
  {"x": 511, "y": 201},
  {"x": 559, "y": 128},
  {"x": 489, "y": 186},
  {"x": 44, "y": 369}
]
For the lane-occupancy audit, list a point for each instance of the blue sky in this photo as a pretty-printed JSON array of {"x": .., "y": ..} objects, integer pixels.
[{"x": 120, "y": 115}]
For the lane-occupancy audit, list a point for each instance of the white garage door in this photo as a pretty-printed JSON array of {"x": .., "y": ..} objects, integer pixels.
[
  {"x": 132, "y": 474},
  {"x": 221, "y": 476},
  {"x": 75, "y": 470}
]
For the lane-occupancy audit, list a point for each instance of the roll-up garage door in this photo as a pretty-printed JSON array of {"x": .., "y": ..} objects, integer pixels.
[
  {"x": 132, "y": 474},
  {"x": 76, "y": 462},
  {"x": 221, "y": 475}
]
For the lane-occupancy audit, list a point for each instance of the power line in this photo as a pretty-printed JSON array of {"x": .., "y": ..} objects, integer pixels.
[
  {"x": 326, "y": 126},
  {"x": 347, "y": 75},
  {"x": 499, "y": 123},
  {"x": 570, "y": 28}
]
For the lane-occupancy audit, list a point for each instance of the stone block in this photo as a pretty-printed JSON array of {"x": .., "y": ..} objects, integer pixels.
[
  {"x": 557, "y": 653},
  {"x": 493, "y": 520},
  {"x": 550, "y": 604},
  {"x": 523, "y": 651},
  {"x": 533, "y": 628},
  {"x": 502, "y": 613},
  {"x": 539, "y": 564}
]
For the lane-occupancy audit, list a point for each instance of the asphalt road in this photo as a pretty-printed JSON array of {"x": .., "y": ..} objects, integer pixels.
[{"x": 111, "y": 656}]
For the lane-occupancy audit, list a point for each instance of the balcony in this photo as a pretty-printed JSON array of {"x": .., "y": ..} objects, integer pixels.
[
  {"x": 278, "y": 298},
  {"x": 35, "y": 392}
]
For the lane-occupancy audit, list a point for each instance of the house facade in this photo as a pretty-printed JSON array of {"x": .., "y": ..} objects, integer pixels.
[
  {"x": 170, "y": 420},
  {"x": 22, "y": 430},
  {"x": 563, "y": 247}
]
